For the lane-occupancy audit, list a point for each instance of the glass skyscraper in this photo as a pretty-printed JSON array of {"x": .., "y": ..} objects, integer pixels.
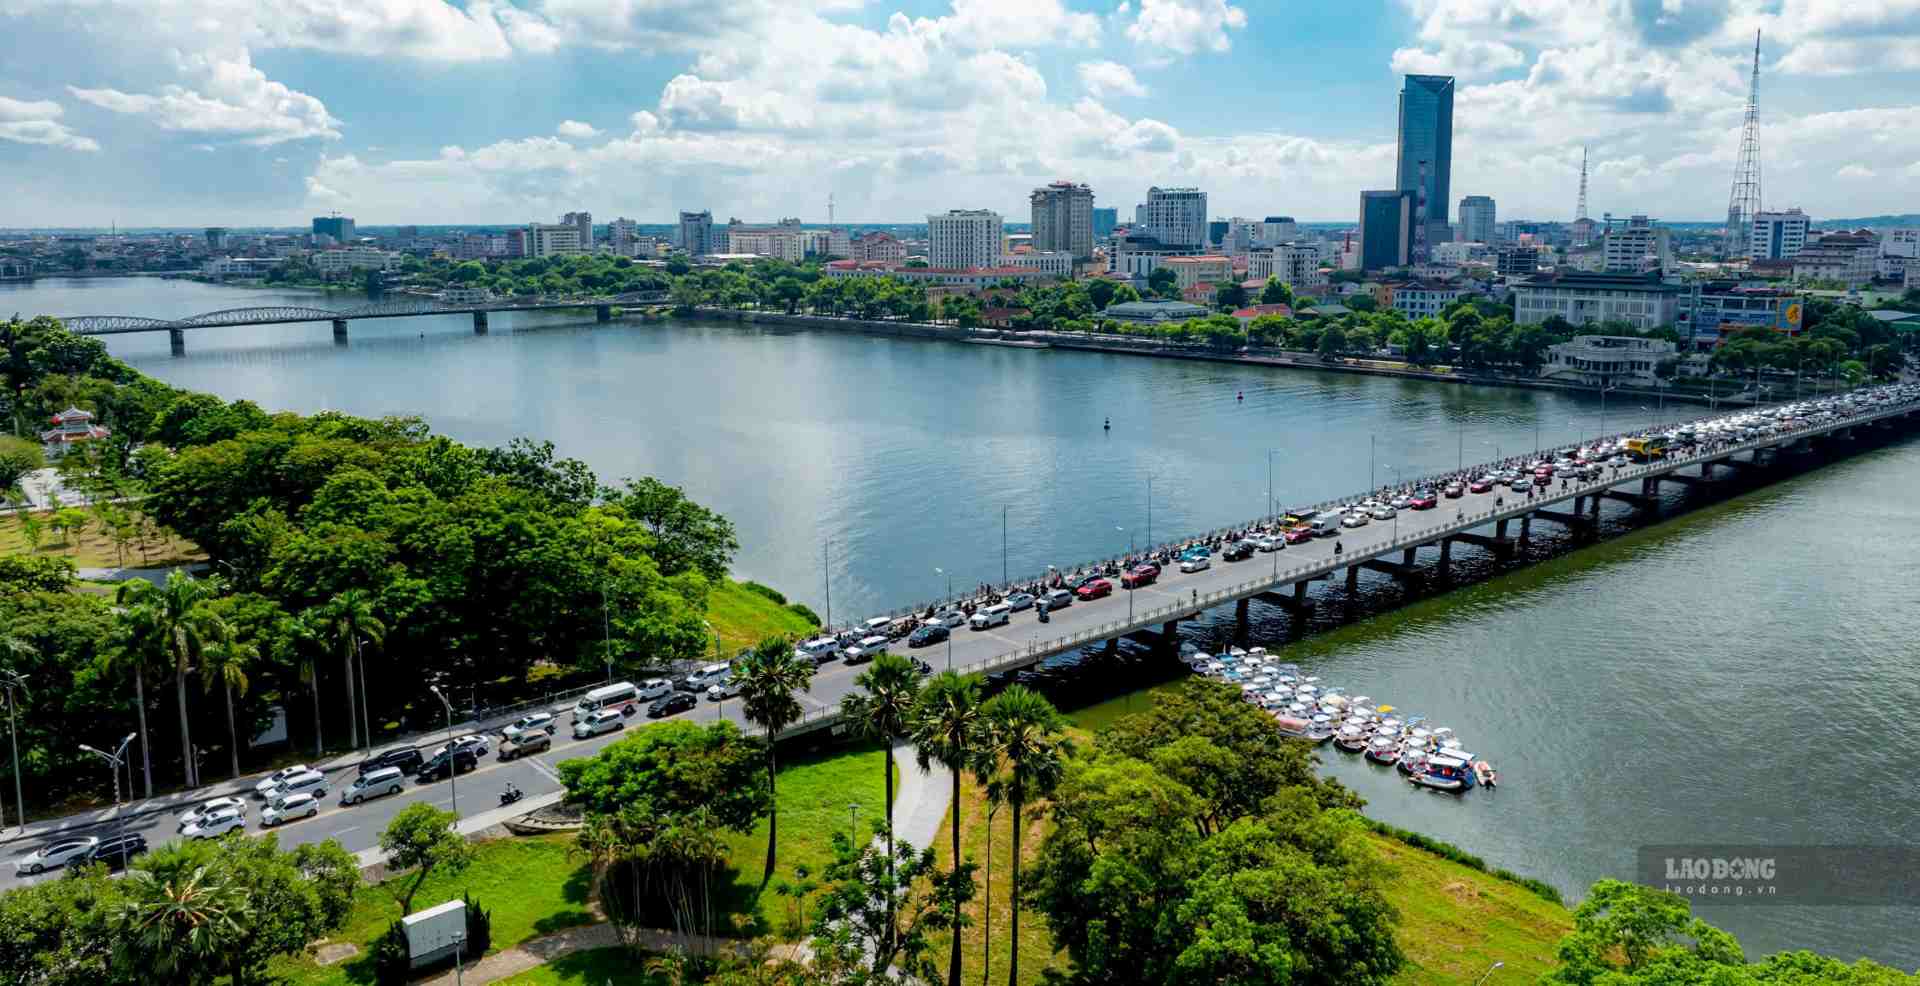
[{"x": 1426, "y": 134}]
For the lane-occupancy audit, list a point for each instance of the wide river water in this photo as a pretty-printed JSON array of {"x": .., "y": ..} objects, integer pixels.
[{"x": 1744, "y": 674}]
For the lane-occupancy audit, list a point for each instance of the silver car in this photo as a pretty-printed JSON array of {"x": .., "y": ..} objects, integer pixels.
[{"x": 54, "y": 855}]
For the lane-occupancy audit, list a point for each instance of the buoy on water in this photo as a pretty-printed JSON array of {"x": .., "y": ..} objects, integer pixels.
[{"x": 1108, "y": 426}]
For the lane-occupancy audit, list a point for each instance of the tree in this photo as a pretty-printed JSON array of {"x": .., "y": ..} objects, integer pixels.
[
  {"x": 1276, "y": 292},
  {"x": 881, "y": 711},
  {"x": 1100, "y": 292},
  {"x": 878, "y": 906},
  {"x": 69, "y": 520},
  {"x": 345, "y": 620},
  {"x": 422, "y": 838},
  {"x": 173, "y": 622},
  {"x": 1163, "y": 282},
  {"x": 673, "y": 768},
  {"x": 18, "y": 457},
  {"x": 1231, "y": 298},
  {"x": 1030, "y": 742},
  {"x": 946, "y": 728},
  {"x": 225, "y": 661},
  {"x": 1333, "y": 341},
  {"x": 182, "y": 928},
  {"x": 687, "y": 536},
  {"x": 1622, "y": 930},
  {"x": 769, "y": 676}
]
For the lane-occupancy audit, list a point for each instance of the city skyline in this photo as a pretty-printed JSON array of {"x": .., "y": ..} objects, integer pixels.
[{"x": 422, "y": 111}]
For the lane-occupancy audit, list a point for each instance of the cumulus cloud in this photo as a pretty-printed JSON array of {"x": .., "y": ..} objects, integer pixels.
[
  {"x": 1464, "y": 59},
  {"x": 1855, "y": 172},
  {"x": 1105, "y": 77},
  {"x": 1186, "y": 27},
  {"x": 37, "y": 121},
  {"x": 232, "y": 99},
  {"x": 576, "y": 130}
]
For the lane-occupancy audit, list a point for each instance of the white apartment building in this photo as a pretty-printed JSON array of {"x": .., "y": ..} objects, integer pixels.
[
  {"x": 621, "y": 233},
  {"x": 1778, "y": 235},
  {"x": 1275, "y": 230},
  {"x": 788, "y": 243},
  {"x": 1582, "y": 298},
  {"x": 1424, "y": 299},
  {"x": 1461, "y": 252},
  {"x": 1640, "y": 245},
  {"x": 553, "y": 240},
  {"x": 1297, "y": 265},
  {"x": 1476, "y": 220},
  {"x": 1598, "y": 361},
  {"x": 1174, "y": 216},
  {"x": 962, "y": 238},
  {"x": 354, "y": 258},
  {"x": 1053, "y": 263},
  {"x": 582, "y": 221},
  {"x": 1140, "y": 256},
  {"x": 239, "y": 266},
  {"x": 1849, "y": 258},
  {"x": 1899, "y": 253},
  {"x": 1063, "y": 218},
  {"x": 1189, "y": 271},
  {"x": 878, "y": 247}
]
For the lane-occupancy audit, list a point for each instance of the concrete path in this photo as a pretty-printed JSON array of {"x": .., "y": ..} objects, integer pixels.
[{"x": 920, "y": 802}]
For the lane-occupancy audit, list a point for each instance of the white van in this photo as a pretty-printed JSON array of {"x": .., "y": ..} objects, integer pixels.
[
  {"x": 620, "y": 695},
  {"x": 819, "y": 650},
  {"x": 1326, "y": 524},
  {"x": 877, "y": 625},
  {"x": 386, "y": 780},
  {"x": 995, "y": 615},
  {"x": 312, "y": 782}
]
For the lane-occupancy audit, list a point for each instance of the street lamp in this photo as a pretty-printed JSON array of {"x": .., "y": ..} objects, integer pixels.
[
  {"x": 1272, "y": 510},
  {"x": 1489, "y": 972},
  {"x": 942, "y": 571},
  {"x": 826, "y": 576},
  {"x": 115, "y": 761},
  {"x": 459, "y": 943},
  {"x": 12, "y": 680},
  {"x": 1130, "y": 592},
  {"x": 1396, "y": 510},
  {"x": 453, "y": 762}
]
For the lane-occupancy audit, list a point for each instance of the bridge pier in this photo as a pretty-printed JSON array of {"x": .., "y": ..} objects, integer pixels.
[
  {"x": 1500, "y": 546},
  {"x": 1684, "y": 480},
  {"x": 1446, "y": 554},
  {"x": 479, "y": 323},
  {"x": 1500, "y": 529},
  {"x": 1640, "y": 500},
  {"x": 339, "y": 330},
  {"x": 1407, "y": 556},
  {"x": 603, "y": 313},
  {"x": 177, "y": 341},
  {"x": 1526, "y": 527},
  {"x": 1353, "y": 581},
  {"x": 1403, "y": 573},
  {"x": 1577, "y": 520}
]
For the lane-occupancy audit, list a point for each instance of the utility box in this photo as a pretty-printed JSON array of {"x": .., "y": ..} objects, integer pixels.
[{"x": 436, "y": 933}]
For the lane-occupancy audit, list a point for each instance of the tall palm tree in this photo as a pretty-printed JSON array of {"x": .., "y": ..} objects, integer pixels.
[
  {"x": 180, "y": 929},
  {"x": 174, "y": 622},
  {"x": 346, "y": 618},
  {"x": 769, "y": 676},
  {"x": 946, "y": 728},
  {"x": 1031, "y": 745},
  {"x": 125, "y": 654},
  {"x": 225, "y": 660},
  {"x": 880, "y": 711}
]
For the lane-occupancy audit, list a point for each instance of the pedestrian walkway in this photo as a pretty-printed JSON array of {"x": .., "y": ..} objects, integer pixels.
[{"x": 920, "y": 802}]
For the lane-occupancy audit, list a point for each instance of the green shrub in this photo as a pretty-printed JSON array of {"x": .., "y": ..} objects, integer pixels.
[
  {"x": 479, "y": 928},
  {"x": 804, "y": 612},
  {"x": 392, "y": 964},
  {"x": 766, "y": 590}
]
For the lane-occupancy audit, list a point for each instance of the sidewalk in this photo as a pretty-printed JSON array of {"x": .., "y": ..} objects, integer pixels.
[{"x": 920, "y": 802}]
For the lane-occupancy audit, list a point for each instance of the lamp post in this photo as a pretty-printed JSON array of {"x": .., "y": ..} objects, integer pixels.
[
  {"x": 115, "y": 761},
  {"x": 1272, "y": 509},
  {"x": 1396, "y": 510},
  {"x": 12, "y": 680},
  {"x": 826, "y": 576},
  {"x": 1603, "y": 410},
  {"x": 1149, "y": 509},
  {"x": 1123, "y": 574},
  {"x": 1370, "y": 483},
  {"x": 606, "y": 619},
  {"x": 1489, "y": 972},
  {"x": 1003, "y": 545},
  {"x": 459, "y": 943},
  {"x": 453, "y": 762},
  {"x": 1462, "y": 450},
  {"x": 942, "y": 571}
]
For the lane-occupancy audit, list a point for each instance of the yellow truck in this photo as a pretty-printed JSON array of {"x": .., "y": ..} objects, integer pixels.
[{"x": 1647, "y": 449}]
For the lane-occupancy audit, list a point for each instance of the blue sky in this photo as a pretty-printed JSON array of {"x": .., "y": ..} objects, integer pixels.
[{"x": 233, "y": 112}]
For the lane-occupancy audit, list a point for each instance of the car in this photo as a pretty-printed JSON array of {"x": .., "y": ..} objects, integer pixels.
[
  {"x": 381, "y": 782},
  {"x": 1073, "y": 584},
  {"x": 114, "y": 850},
  {"x": 541, "y": 721},
  {"x": 198, "y": 811},
  {"x": 1197, "y": 563},
  {"x": 287, "y": 809},
  {"x": 952, "y": 619},
  {"x": 987, "y": 617},
  {"x": 723, "y": 689},
  {"x": 1298, "y": 534},
  {"x": 671, "y": 703},
  {"x": 697, "y": 681},
  {"x": 1452, "y": 491},
  {"x": 273, "y": 780},
  {"x": 471, "y": 742},
  {"x": 820, "y": 650},
  {"x": 653, "y": 688},
  {"x": 1094, "y": 589},
  {"x": 1139, "y": 575},
  {"x": 1056, "y": 599},
  {"x": 56, "y": 854},
  {"x": 1482, "y": 485},
  {"x": 525, "y": 744},
  {"x": 928, "y": 635},
  {"x": 865, "y": 650},
  {"x": 1424, "y": 500},
  {"x": 1265, "y": 542},
  {"x": 1381, "y": 511},
  {"x": 1402, "y": 502},
  {"x": 1239, "y": 551},
  {"x": 1520, "y": 483},
  {"x": 1020, "y": 600},
  {"x": 407, "y": 758},
  {"x": 313, "y": 781},
  {"x": 1354, "y": 519},
  {"x": 216, "y": 824},
  {"x": 604, "y": 721},
  {"x": 457, "y": 762}
]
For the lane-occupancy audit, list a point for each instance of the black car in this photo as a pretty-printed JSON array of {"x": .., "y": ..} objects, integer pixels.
[
  {"x": 406, "y": 758},
  {"x": 673, "y": 702},
  {"x": 116, "y": 849},
  {"x": 459, "y": 761},
  {"x": 928, "y": 635},
  {"x": 1237, "y": 551}
]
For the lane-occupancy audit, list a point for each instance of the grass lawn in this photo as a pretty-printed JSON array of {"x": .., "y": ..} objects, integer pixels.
[
  {"x": 92, "y": 548},
  {"x": 593, "y": 967},
  {"x": 743, "y": 617},
  {"x": 533, "y": 886},
  {"x": 1036, "y": 946},
  {"x": 1456, "y": 922}
]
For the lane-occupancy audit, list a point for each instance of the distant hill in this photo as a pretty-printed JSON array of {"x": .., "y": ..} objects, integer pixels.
[{"x": 1905, "y": 219}]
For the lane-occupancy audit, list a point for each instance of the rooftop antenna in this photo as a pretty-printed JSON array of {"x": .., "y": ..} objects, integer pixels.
[
  {"x": 1580, "y": 209},
  {"x": 1743, "y": 203},
  {"x": 829, "y": 208}
]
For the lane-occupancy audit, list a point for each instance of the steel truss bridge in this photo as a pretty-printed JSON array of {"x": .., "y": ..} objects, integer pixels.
[{"x": 100, "y": 325}]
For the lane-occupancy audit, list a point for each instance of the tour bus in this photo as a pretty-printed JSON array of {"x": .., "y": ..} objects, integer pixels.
[
  {"x": 620, "y": 695},
  {"x": 1647, "y": 449}
]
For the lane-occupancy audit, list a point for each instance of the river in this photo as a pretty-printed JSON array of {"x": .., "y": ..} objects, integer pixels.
[{"x": 1742, "y": 674}]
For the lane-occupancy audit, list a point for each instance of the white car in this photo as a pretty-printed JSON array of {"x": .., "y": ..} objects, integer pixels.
[
  {"x": 478, "y": 744},
  {"x": 603, "y": 721},
  {"x": 1197, "y": 563},
  {"x": 302, "y": 805},
  {"x": 1382, "y": 512},
  {"x": 542, "y": 721},
  {"x": 952, "y": 619},
  {"x": 273, "y": 780},
  {"x": 723, "y": 689},
  {"x": 1263, "y": 542},
  {"x": 216, "y": 824},
  {"x": 1020, "y": 601},
  {"x": 54, "y": 855},
  {"x": 653, "y": 688},
  {"x": 1355, "y": 519},
  {"x": 202, "y": 810}
]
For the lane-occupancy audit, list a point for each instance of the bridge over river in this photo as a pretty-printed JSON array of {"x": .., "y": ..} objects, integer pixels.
[
  {"x": 405, "y": 307},
  {"x": 1415, "y": 546}
]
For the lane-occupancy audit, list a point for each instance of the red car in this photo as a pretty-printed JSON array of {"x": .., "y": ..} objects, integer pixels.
[
  {"x": 1299, "y": 534},
  {"x": 1424, "y": 500},
  {"x": 1140, "y": 575},
  {"x": 1481, "y": 485},
  {"x": 1095, "y": 589}
]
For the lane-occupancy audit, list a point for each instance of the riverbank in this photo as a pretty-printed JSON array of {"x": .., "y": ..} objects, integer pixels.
[{"x": 1130, "y": 346}]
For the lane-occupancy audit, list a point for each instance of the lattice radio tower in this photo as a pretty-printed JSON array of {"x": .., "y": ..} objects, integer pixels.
[
  {"x": 1744, "y": 201},
  {"x": 1580, "y": 209}
]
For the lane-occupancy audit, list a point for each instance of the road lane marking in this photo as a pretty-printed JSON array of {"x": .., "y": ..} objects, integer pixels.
[
  {"x": 551, "y": 774},
  {"x": 344, "y": 831}
]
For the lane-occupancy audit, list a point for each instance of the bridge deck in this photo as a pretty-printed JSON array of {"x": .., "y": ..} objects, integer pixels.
[{"x": 410, "y": 307}]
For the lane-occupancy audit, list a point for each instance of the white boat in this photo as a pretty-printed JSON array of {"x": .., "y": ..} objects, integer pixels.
[
  {"x": 1382, "y": 749},
  {"x": 1350, "y": 739},
  {"x": 1485, "y": 774},
  {"x": 1444, "y": 774}
]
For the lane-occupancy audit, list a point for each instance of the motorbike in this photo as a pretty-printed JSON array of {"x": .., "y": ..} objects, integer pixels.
[{"x": 511, "y": 795}]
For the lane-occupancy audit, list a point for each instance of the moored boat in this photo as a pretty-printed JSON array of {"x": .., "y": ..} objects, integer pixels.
[
  {"x": 1443, "y": 773},
  {"x": 1382, "y": 749},
  {"x": 1350, "y": 739}
]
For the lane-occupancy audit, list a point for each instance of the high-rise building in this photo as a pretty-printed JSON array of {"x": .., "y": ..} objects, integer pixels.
[
  {"x": 1063, "y": 219},
  {"x": 1275, "y": 230},
  {"x": 963, "y": 238},
  {"x": 1778, "y": 235},
  {"x": 1425, "y": 160},
  {"x": 216, "y": 239},
  {"x": 1640, "y": 245},
  {"x": 553, "y": 240},
  {"x": 1386, "y": 228},
  {"x": 1176, "y": 217},
  {"x": 696, "y": 233},
  {"x": 582, "y": 221},
  {"x": 1104, "y": 220},
  {"x": 1476, "y": 219},
  {"x": 338, "y": 227},
  {"x": 622, "y": 235}
]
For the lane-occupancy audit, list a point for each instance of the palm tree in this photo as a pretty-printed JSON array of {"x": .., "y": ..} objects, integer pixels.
[
  {"x": 225, "y": 660},
  {"x": 174, "y": 622},
  {"x": 179, "y": 928},
  {"x": 881, "y": 711},
  {"x": 946, "y": 728},
  {"x": 1030, "y": 743},
  {"x": 346, "y": 618},
  {"x": 769, "y": 676}
]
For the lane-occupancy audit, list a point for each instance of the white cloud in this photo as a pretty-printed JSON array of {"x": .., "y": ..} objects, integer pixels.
[
  {"x": 233, "y": 99},
  {"x": 1855, "y": 172},
  {"x": 37, "y": 122},
  {"x": 1105, "y": 77},
  {"x": 576, "y": 130},
  {"x": 1464, "y": 59},
  {"x": 1186, "y": 27}
]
